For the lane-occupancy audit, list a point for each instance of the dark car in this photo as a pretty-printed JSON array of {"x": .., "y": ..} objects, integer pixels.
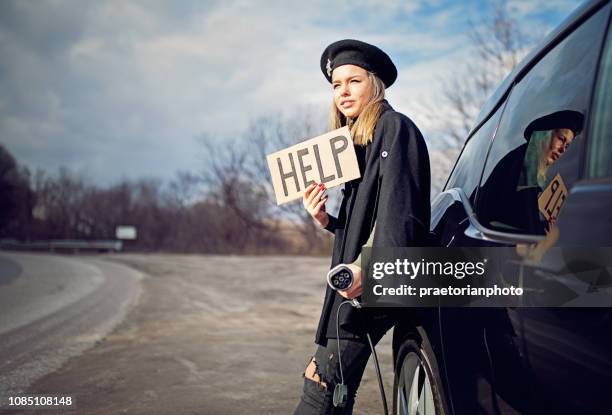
[{"x": 511, "y": 186}]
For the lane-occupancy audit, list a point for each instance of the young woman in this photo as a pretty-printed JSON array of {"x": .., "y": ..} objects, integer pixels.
[
  {"x": 519, "y": 178},
  {"x": 392, "y": 193},
  {"x": 548, "y": 138}
]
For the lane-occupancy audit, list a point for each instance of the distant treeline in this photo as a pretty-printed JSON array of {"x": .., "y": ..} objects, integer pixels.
[{"x": 228, "y": 206}]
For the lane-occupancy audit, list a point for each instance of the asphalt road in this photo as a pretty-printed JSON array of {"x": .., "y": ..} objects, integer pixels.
[
  {"x": 53, "y": 308},
  {"x": 210, "y": 335}
]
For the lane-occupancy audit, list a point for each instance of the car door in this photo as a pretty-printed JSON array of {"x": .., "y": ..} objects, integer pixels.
[
  {"x": 544, "y": 360},
  {"x": 461, "y": 330}
]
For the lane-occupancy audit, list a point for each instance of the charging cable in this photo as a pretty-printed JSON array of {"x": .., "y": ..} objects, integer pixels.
[
  {"x": 341, "y": 390},
  {"x": 340, "y": 278}
]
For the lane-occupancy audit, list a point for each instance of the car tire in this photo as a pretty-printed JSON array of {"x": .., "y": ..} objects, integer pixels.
[{"x": 417, "y": 388}]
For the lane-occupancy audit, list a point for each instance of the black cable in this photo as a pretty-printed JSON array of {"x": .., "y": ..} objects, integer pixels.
[
  {"x": 338, "y": 337},
  {"x": 378, "y": 375},
  {"x": 380, "y": 383}
]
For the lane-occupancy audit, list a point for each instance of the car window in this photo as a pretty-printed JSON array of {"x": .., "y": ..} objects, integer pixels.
[
  {"x": 600, "y": 146},
  {"x": 536, "y": 152},
  {"x": 466, "y": 173}
]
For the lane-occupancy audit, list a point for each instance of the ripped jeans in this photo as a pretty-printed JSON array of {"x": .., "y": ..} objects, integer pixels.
[{"x": 317, "y": 395}]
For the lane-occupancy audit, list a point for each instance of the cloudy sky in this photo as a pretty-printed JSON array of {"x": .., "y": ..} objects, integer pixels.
[{"x": 123, "y": 89}]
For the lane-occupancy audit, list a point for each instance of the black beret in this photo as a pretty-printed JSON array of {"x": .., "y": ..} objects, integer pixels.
[
  {"x": 572, "y": 120},
  {"x": 364, "y": 55}
]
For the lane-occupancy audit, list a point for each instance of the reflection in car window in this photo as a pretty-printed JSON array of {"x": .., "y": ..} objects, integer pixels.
[
  {"x": 471, "y": 160},
  {"x": 536, "y": 152},
  {"x": 600, "y": 151}
]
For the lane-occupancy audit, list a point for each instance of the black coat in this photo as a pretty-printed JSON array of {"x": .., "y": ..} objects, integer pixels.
[
  {"x": 393, "y": 192},
  {"x": 507, "y": 202}
]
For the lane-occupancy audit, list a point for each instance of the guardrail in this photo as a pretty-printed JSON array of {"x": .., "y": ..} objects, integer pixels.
[{"x": 70, "y": 245}]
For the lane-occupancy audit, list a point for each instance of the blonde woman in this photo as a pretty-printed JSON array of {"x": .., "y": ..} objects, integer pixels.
[
  {"x": 548, "y": 137},
  {"x": 393, "y": 193}
]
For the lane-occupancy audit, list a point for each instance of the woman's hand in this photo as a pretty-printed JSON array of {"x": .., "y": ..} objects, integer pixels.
[
  {"x": 314, "y": 202},
  {"x": 551, "y": 223},
  {"x": 356, "y": 288}
]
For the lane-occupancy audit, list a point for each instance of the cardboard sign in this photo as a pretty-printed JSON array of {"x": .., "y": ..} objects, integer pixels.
[
  {"x": 552, "y": 198},
  {"x": 329, "y": 158}
]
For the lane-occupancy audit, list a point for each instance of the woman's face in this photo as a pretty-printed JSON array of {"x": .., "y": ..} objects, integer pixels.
[
  {"x": 352, "y": 89},
  {"x": 561, "y": 139}
]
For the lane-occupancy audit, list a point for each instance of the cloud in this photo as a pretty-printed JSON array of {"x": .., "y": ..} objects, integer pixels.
[{"x": 123, "y": 89}]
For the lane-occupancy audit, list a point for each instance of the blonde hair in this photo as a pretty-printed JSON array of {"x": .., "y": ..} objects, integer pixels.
[
  {"x": 534, "y": 164},
  {"x": 362, "y": 128}
]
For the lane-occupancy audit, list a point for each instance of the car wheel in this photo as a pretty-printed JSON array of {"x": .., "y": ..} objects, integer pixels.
[{"x": 417, "y": 383}]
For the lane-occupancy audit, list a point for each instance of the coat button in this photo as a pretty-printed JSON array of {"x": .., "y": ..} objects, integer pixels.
[{"x": 384, "y": 154}]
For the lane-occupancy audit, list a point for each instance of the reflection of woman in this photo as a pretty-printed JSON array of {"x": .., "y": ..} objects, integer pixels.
[
  {"x": 509, "y": 197},
  {"x": 544, "y": 149},
  {"x": 549, "y": 137},
  {"x": 393, "y": 192}
]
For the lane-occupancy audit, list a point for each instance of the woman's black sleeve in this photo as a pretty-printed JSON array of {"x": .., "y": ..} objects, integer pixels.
[
  {"x": 332, "y": 224},
  {"x": 403, "y": 212}
]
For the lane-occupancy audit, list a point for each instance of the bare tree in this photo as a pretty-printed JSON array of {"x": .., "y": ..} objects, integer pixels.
[
  {"x": 16, "y": 197},
  {"x": 237, "y": 196},
  {"x": 269, "y": 134},
  {"x": 237, "y": 180},
  {"x": 183, "y": 190},
  {"x": 59, "y": 199},
  {"x": 498, "y": 42}
]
